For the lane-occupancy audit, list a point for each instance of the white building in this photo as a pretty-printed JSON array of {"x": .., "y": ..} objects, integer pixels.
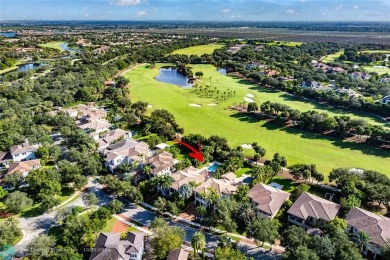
[{"x": 24, "y": 152}]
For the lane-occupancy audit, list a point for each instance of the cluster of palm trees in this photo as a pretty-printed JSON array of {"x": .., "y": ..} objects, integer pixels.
[
  {"x": 198, "y": 243},
  {"x": 209, "y": 91}
]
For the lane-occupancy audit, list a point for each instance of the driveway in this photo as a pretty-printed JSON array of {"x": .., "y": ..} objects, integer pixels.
[{"x": 32, "y": 227}]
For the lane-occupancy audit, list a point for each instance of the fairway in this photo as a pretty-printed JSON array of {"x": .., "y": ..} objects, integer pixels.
[
  {"x": 53, "y": 45},
  {"x": 199, "y": 50},
  {"x": 376, "y": 69},
  {"x": 297, "y": 146},
  {"x": 332, "y": 57}
]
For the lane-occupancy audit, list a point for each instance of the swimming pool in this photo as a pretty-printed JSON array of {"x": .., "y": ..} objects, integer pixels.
[{"x": 213, "y": 167}]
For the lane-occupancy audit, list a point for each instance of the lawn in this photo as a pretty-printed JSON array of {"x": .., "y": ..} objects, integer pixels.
[
  {"x": 53, "y": 45},
  {"x": 243, "y": 171},
  {"x": 377, "y": 51},
  {"x": 297, "y": 146},
  {"x": 380, "y": 71},
  {"x": 110, "y": 224},
  {"x": 199, "y": 50},
  {"x": 332, "y": 57}
]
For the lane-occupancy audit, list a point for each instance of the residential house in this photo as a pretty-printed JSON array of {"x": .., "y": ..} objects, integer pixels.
[
  {"x": 109, "y": 246},
  {"x": 384, "y": 80},
  {"x": 184, "y": 177},
  {"x": 254, "y": 65},
  {"x": 336, "y": 70},
  {"x": 259, "y": 48},
  {"x": 24, "y": 151},
  {"x": 89, "y": 112},
  {"x": 348, "y": 92},
  {"x": 178, "y": 254},
  {"x": 109, "y": 83},
  {"x": 95, "y": 126},
  {"x": 24, "y": 167},
  {"x": 102, "y": 49},
  {"x": 112, "y": 136},
  {"x": 126, "y": 151},
  {"x": 223, "y": 187},
  {"x": 360, "y": 75},
  {"x": 322, "y": 66},
  {"x": 82, "y": 42},
  {"x": 161, "y": 163},
  {"x": 270, "y": 73},
  {"x": 376, "y": 226},
  {"x": 310, "y": 211},
  {"x": 29, "y": 49},
  {"x": 236, "y": 48},
  {"x": 311, "y": 84},
  {"x": 386, "y": 100},
  {"x": 267, "y": 200},
  {"x": 5, "y": 159}
]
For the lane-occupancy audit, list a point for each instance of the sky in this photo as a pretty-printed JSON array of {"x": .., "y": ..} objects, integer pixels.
[{"x": 198, "y": 10}]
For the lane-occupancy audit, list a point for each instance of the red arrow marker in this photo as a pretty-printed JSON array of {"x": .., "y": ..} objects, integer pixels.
[{"x": 195, "y": 153}]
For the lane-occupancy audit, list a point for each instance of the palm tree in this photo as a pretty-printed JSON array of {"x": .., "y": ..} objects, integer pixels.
[
  {"x": 127, "y": 176},
  {"x": 147, "y": 170},
  {"x": 11, "y": 221},
  {"x": 164, "y": 181},
  {"x": 198, "y": 242},
  {"x": 247, "y": 213},
  {"x": 186, "y": 191},
  {"x": 362, "y": 240},
  {"x": 201, "y": 211}
]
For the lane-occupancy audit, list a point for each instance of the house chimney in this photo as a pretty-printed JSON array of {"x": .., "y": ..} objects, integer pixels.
[{"x": 26, "y": 141}]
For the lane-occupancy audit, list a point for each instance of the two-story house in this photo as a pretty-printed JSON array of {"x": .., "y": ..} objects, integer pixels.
[
  {"x": 267, "y": 200},
  {"x": 24, "y": 151},
  {"x": 376, "y": 226},
  {"x": 109, "y": 246},
  {"x": 161, "y": 164},
  {"x": 184, "y": 177},
  {"x": 311, "y": 211},
  {"x": 112, "y": 136},
  {"x": 125, "y": 151},
  {"x": 24, "y": 167}
]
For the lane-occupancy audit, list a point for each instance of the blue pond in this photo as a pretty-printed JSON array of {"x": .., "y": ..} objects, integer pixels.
[
  {"x": 8, "y": 34},
  {"x": 29, "y": 66},
  {"x": 213, "y": 167},
  {"x": 171, "y": 76},
  {"x": 65, "y": 47}
]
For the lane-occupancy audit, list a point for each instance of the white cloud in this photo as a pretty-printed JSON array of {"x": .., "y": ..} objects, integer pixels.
[
  {"x": 340, "y": 7},
  {"x": 126, "y": 2},
  {"x": 226, "y": 10},
  {"x": 291, "y": 11},
  {"x": 142, "y": 13},
  {"x": 356, "y": 7}
]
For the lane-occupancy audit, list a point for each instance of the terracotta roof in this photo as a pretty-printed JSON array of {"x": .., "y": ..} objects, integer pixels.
[
  {"x": 112, "y": 136},
  {"x": 23, "y": 148},
  {"x": 160, "y": 162},
  {"x": 309, "y": 205},
  {"x": 229, "y": 176},
  {"x": 186, "y": 176},
  {"x": 95, "y": 124},
  {"x": 376, "y": 226},
  {"x": 267, "y": 198},
  {"x": 221, "y": 186},
  {"x": 109, "y": 246},
  {"x": 24, "y": 166},
  {"x": 178, "y": 254}
]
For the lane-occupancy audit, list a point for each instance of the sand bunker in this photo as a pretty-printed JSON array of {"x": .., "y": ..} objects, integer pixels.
[
  {"x": 250, "y": 95},
  {"x": 195, "y": 105},
  {"x": 212, "y": 104},
  {"x": 246, "y": 146},
  {"x": 150, "y": 106},
  {"x": 248, "y": 100}
]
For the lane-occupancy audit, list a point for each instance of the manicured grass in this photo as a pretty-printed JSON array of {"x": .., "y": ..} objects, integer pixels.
[
  {"x": 290, "y": 44},
  {"x": 199, "y": 50},
  {"x": 380, "y": 71},
  {"x": 377, "y": 51},
  {"x": 298, "y": 146},
  {"x": 53, "y": 45},
  {"x": 332, "y": 57},
  {"x": 288, "y": 185},
  {"x": 14, "y": 67},
  {"x": 242, "y": 171},
  {"x": 110, "y": 224}
]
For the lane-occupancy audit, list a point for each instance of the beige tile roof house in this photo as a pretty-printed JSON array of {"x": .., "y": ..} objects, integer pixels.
[
  {"x": 178, "y": 254},
  {"x": 312, "y": 211},
  {"x": 95, "y": 125},
  {"x": 24, "y": 167},
  {"x": 112, "y": 136},
  {"x": 125, "y": 151},
  {"x": 186, "y": 176},
  {"x": 267, "y": 200},
  {"x": 161, "y": 163},
  {"x": 376, "y": 226},
  {"x": 109, "y": 246}
]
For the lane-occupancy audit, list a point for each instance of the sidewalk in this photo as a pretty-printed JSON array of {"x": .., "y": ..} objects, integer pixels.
[{"x": 244, "y": 239}]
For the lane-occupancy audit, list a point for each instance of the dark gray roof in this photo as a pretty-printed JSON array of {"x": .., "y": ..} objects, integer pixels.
[{"x": 109, "y": 246}]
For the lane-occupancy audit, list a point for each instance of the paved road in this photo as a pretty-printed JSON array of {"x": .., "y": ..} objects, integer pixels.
[
  {"x": 144, "y": 217},
  {"x": 34, "y": 226}
]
